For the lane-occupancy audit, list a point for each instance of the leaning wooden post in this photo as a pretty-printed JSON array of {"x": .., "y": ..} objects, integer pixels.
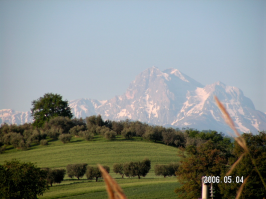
[{"x": 204, "y": 193}]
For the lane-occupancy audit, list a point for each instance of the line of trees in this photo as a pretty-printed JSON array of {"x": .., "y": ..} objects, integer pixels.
[
  {"x": 64, "y": 128},
  {"x": 130, "y": 169}
]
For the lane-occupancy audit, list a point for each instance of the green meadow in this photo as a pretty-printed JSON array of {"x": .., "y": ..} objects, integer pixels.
[{"x": 101, "y": 151}]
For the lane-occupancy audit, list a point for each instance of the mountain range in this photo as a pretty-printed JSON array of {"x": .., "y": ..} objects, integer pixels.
[{"x": 167, "y": 98}]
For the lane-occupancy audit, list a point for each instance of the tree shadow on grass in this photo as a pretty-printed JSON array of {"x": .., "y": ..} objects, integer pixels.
[{"x": 76, "y": 141}]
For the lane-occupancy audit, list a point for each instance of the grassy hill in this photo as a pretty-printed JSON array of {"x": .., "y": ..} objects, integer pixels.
[{"x": 59, "y": 155}]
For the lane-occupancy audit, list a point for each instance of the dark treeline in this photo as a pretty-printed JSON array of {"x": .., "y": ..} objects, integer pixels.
[{"x": 64, "y": 128}]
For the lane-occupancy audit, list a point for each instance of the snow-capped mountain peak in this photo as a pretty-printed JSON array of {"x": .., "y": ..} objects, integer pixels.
[{"x": 169, "y": 98}]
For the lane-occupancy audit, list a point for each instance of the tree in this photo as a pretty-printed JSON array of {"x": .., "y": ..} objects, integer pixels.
[
  {"x": 94, "y": 120},
  {"x": 87, "y": 135},
  {"x": 127, "y": 133},
  {"x": 55, "y": 175},
  {"x": 77, "y": 170},
  {"x": 119, "y": 168},
  {"x": 21, "y": 180},
  {"x": 166, "y": 170},
  {"x": 161, "y": 170},
  {"x": 139, "y": 128},
  {"x": 133, "y": 169},
  {"x": 54, "y": 132},
  {"x": 153, "y": 133},
  {"x": 94, "y": 172},
  {"x": 49, "y": 106},
  {"x": 208, "y": 159},
  {"x": 117, "y": 127}
]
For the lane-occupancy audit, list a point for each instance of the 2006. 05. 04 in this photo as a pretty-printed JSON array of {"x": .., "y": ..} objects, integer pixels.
[{"x": 226, "y": 179}]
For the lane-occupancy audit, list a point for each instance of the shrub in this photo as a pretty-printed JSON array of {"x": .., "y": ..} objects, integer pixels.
[
  {"x": 22, "y": 145},
  {"x": 65, "y": 138},
  {"x": 2, "y": 149},
  {"x": 76, "y": 129},
  {"x": 43, "y": 134},
  {"x": 35, "y": 137},
  {"x": 27, "y": 134},
  {"x": 87, "y": 135},
  {"x": 44, "y": 142},
  {"x": 16, "y": 139},
  {"x": 110, "y": 135},
  {"x": 7, "y": 138},
  {"x": 54, "y": 132},
  {"x": 77, "y": 170},
  {"x": 103, "y": 130}
]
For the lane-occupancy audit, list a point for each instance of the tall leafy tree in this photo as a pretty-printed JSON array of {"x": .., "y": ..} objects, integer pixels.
[
  {"x": 208, "y": 159},
  {"x": 49, "y": 106},
  {"x": 253, "y": 188}
]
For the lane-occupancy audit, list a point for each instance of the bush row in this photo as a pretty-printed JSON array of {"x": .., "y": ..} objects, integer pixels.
[
  {"x": 78, "y": 171},
  {"x": 130, "y": 169}
]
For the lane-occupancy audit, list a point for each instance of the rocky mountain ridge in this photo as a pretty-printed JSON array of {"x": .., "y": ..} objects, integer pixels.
[{"x": 170, "y": 98}]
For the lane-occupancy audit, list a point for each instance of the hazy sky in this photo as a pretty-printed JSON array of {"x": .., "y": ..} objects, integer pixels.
[{"x": 94, "y": 49}]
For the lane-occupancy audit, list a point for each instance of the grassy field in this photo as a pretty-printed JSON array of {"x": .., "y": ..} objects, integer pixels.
[
  {"x": 59, "y": 155},
  {"x": 133, "y": 188}
]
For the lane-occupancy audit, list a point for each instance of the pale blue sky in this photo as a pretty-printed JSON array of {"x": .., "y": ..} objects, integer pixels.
[{"x": 94, "y": 49}]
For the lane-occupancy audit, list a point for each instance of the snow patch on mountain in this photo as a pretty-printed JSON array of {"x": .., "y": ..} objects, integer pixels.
[
  {"x": 10, "y": 116},
  {"x": 178, "y": 74},
  {"x": 124, "y": 113}
]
